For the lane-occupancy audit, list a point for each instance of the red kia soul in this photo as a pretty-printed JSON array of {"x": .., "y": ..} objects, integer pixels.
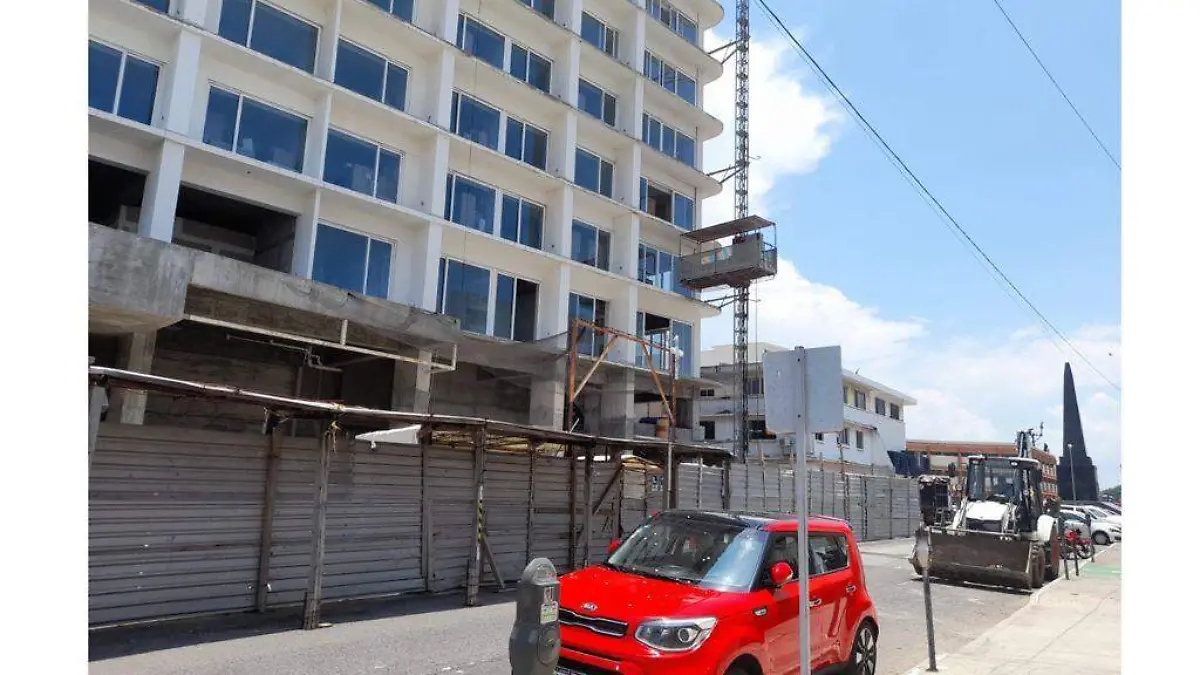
[{"x": 699, "y": 593}]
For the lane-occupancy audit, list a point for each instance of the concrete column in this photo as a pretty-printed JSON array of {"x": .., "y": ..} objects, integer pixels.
[
  {"x": 318, "y": 135},
  {"x": 420, "y": 288},
  {"x": 565, "y": 77},
  {"x": 634, "y": 47},
  {"x": 547, "y": 397},
  {"x": 627, "y": 176},
  {"x": 569, "y": 14},
  {"x": 626, "y": 237},
  {"x": 553, "y": 300},
  {"x": 429, "y": 180},
  {"x": 136, "y": 353},
  {"x": 616, "y": 405},
  {"x": 327, "y": 47},
  {"x": 439, "y": 87},
  {"x": 177, "y": 100},
  {"x": 556, "y": 233},
  {"x": 622, "y": 316},
  {"x": 410, "y": 386},
  {"x": 439, "y": 18},
  {"x": 161, "y": 194},
  {"x": 305, "y": 239},
  {"x": 561, "y": 159}
]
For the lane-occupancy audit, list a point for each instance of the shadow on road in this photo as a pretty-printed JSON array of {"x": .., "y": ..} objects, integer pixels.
[
  {"x": 970, "y": 584},
  {"x": 109, "y": 643}
]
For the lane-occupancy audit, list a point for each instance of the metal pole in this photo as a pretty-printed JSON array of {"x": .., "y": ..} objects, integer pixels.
[
  {"x": 805, "y": 439},
  {"x": 669, "y": 469},
  {"x": 929, "y": 621}
]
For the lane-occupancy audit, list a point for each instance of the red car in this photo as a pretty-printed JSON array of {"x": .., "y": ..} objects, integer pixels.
[{"x": 700, "y": 593}]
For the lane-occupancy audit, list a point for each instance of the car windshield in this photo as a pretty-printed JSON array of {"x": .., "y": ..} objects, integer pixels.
[
  {"x": 708, "y": 553},
  {"x": 993, "y": 479}
]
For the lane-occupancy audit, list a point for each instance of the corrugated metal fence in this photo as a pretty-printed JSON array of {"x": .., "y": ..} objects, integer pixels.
[
  {"x": 181, "y": 521},
  {"x": 877, "y": 507}
]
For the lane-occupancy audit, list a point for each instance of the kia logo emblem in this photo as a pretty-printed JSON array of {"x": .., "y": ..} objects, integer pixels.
[{"x": 589, "y": 606}]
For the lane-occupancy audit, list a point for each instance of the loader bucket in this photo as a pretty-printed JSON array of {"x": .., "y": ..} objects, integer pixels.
[{"x": 981, "y": 557}]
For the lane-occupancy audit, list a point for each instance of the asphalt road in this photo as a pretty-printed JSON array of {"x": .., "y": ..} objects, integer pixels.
[{"x": 437, "y": 636}]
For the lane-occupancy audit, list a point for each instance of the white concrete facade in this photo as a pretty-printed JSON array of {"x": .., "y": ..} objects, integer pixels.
[
  {"x": 186, "y": 43},
  {"x": 874, "y": 414}
]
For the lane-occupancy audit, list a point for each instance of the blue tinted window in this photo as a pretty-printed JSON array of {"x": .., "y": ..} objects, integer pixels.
[
  {"x": 104, "y": 67},
  {"x": 220, "y": 120},
  {"x": 532, "y": 216},
  {"x": 137, "y": 90},
  {"x": 687, "y": 29},
  {"x": 685, "y": 149},
  {"x": 591, "y": 99},
  {"x": 477, "y": 122},
  {"x": 682, "y": 333},
  {"x": 587, "y": 170},
  {"x": 518, "y": 63},
  {"x": 595, "y": 32},
  {"x": 506, "y": 295},
  {"x": 472, "y": 205},
  {"x": 271, "y": 135},
  {"x": 543, "y": 7},
  {"x": 340, "y": 258},
  {"x": 686, "y": 88},
  {"x": 684, "y": 212},
  {"x": 466, "y": 295},
  {"x": 284, "y": 37},
  {"x": 387, "y": 185},
  {"x": 514, "y": 140},
  {"x": 441, "y": 287},
  {"x": 235, "y": 20},
  {"x": 539, "y": 72},
  {"x": 480, "y": 41},
  {"x": 606, "y": 179},
  {"x": 589, "y": 245},
  {"x": 510, "y": 218},
  {"x": 396, "y": 92},
  {"x": 379, "y": 268},
  {"x": 647, "y": 264},
  {"x": 666, "y": 264},
  {"x": 536, "y": 147},
  {"x": 359, "y": 70},
  {"x": 350, "y": 162}
]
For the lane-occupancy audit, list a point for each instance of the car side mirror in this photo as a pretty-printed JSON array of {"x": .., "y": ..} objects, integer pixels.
[
  {"x": 781, "y": 573},
  {"x": 613, "y": 546}
]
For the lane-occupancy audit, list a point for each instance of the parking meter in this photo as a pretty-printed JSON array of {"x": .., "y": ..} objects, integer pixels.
[{"x": 534, "y": 644}]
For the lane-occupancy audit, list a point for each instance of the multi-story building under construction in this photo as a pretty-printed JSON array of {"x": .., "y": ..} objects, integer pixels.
[{"x": 396, "y": 203}]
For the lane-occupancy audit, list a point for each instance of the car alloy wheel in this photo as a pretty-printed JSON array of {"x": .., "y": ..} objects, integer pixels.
[
  {"x": 1100, "y": 538},
  {"x": 862, "y": 658}
]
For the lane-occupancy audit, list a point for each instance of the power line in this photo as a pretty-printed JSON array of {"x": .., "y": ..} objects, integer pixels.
[
  {"x": 1056, "y": 85},
  {"x": 925, "y": 193}
]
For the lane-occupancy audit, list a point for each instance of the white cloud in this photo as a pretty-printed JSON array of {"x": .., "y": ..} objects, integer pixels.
[{"x": 791, "y": 128}]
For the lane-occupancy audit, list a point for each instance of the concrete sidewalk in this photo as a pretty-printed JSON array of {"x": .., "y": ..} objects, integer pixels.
[{"x": 1068, "y": 628}]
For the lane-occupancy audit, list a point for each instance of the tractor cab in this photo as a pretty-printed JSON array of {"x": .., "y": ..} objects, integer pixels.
[{"x": 1003, "y": 494}]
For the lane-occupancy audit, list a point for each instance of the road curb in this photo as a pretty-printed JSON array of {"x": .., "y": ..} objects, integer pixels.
[{"x": 1033, "y": 600}]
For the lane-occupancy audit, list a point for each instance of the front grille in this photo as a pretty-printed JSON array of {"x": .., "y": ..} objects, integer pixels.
[
  {"x": 570, "y": 667},
  {"x": 610, "y": 627}
]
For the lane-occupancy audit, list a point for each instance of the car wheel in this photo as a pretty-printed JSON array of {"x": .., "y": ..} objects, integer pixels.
[
  {"x": 865, "y": 651},
  {"x": 1052, "y": 557},
  {"x": 1100, "y": 538},
  {"x": 736, "y": 670}
]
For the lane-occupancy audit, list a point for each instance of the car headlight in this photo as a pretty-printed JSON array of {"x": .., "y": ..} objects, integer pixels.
[{"x": 675, "y": 635}]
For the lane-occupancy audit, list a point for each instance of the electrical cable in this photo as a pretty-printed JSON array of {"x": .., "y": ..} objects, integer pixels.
[
  {"x": 927, "y": 195},
  {"x": 1056, "y": 85}
]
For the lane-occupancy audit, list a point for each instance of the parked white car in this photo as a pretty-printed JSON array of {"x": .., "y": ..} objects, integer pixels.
[
  {"x": 1097, "y": 512},
  {"x": 1102, "y": 530}
]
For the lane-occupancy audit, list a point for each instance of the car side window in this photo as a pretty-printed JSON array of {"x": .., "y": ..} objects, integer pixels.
[
  {"x": 783, "y": 548},
  {"x": 828, "y": 552}
]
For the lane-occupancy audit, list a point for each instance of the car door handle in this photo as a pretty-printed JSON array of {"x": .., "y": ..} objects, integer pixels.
[
  {"x": 851, "y": 589},
  {"x": 815, "y": 602}
]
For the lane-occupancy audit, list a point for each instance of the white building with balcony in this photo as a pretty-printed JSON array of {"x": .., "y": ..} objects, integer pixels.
[
  {"x": 396, "y": 203},
  {"x": 874, "y": 413}
]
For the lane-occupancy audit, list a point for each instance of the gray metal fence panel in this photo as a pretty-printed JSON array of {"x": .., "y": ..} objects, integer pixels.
[{"x": 174, "y": 520}]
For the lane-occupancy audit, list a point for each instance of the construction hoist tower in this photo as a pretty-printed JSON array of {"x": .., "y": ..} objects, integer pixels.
[{"x": 748, "y": 257}]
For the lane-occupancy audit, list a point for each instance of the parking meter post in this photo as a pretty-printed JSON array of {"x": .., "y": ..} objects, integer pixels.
[
  {"x": 535, "y": 642},
  {"x": 800, "y": 455},
  {"x": 922, "y": 554},
  {"x": 1064, "y": 546}
]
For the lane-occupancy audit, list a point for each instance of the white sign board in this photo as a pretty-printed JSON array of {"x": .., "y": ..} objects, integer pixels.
[{"x": 804, "y": 383}]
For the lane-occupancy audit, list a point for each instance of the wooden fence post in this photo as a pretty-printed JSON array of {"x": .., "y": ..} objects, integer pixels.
[
  {"x": 326, "y": 445},
  {"x": 267, "y": 521},
  {"x": 573, "y": 489},
  {"x": 425, "y": 439},
  {"x": 529, "y": 509},
  {"x": 587, "y": 501},
  {"x": 475, "y": 564}
]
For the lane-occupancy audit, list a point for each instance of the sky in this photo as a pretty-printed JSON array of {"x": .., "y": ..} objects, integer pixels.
[{"x": 865, "y": 263}]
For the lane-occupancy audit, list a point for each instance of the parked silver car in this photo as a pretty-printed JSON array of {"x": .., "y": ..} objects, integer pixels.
[{"x": 1102, "y": 531}]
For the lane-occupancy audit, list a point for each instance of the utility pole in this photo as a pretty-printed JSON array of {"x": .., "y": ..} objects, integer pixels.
[{"x": 741, "y": 208}]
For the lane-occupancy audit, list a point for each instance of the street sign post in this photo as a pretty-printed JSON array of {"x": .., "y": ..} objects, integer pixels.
[{"x": 804, "y": 397}]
